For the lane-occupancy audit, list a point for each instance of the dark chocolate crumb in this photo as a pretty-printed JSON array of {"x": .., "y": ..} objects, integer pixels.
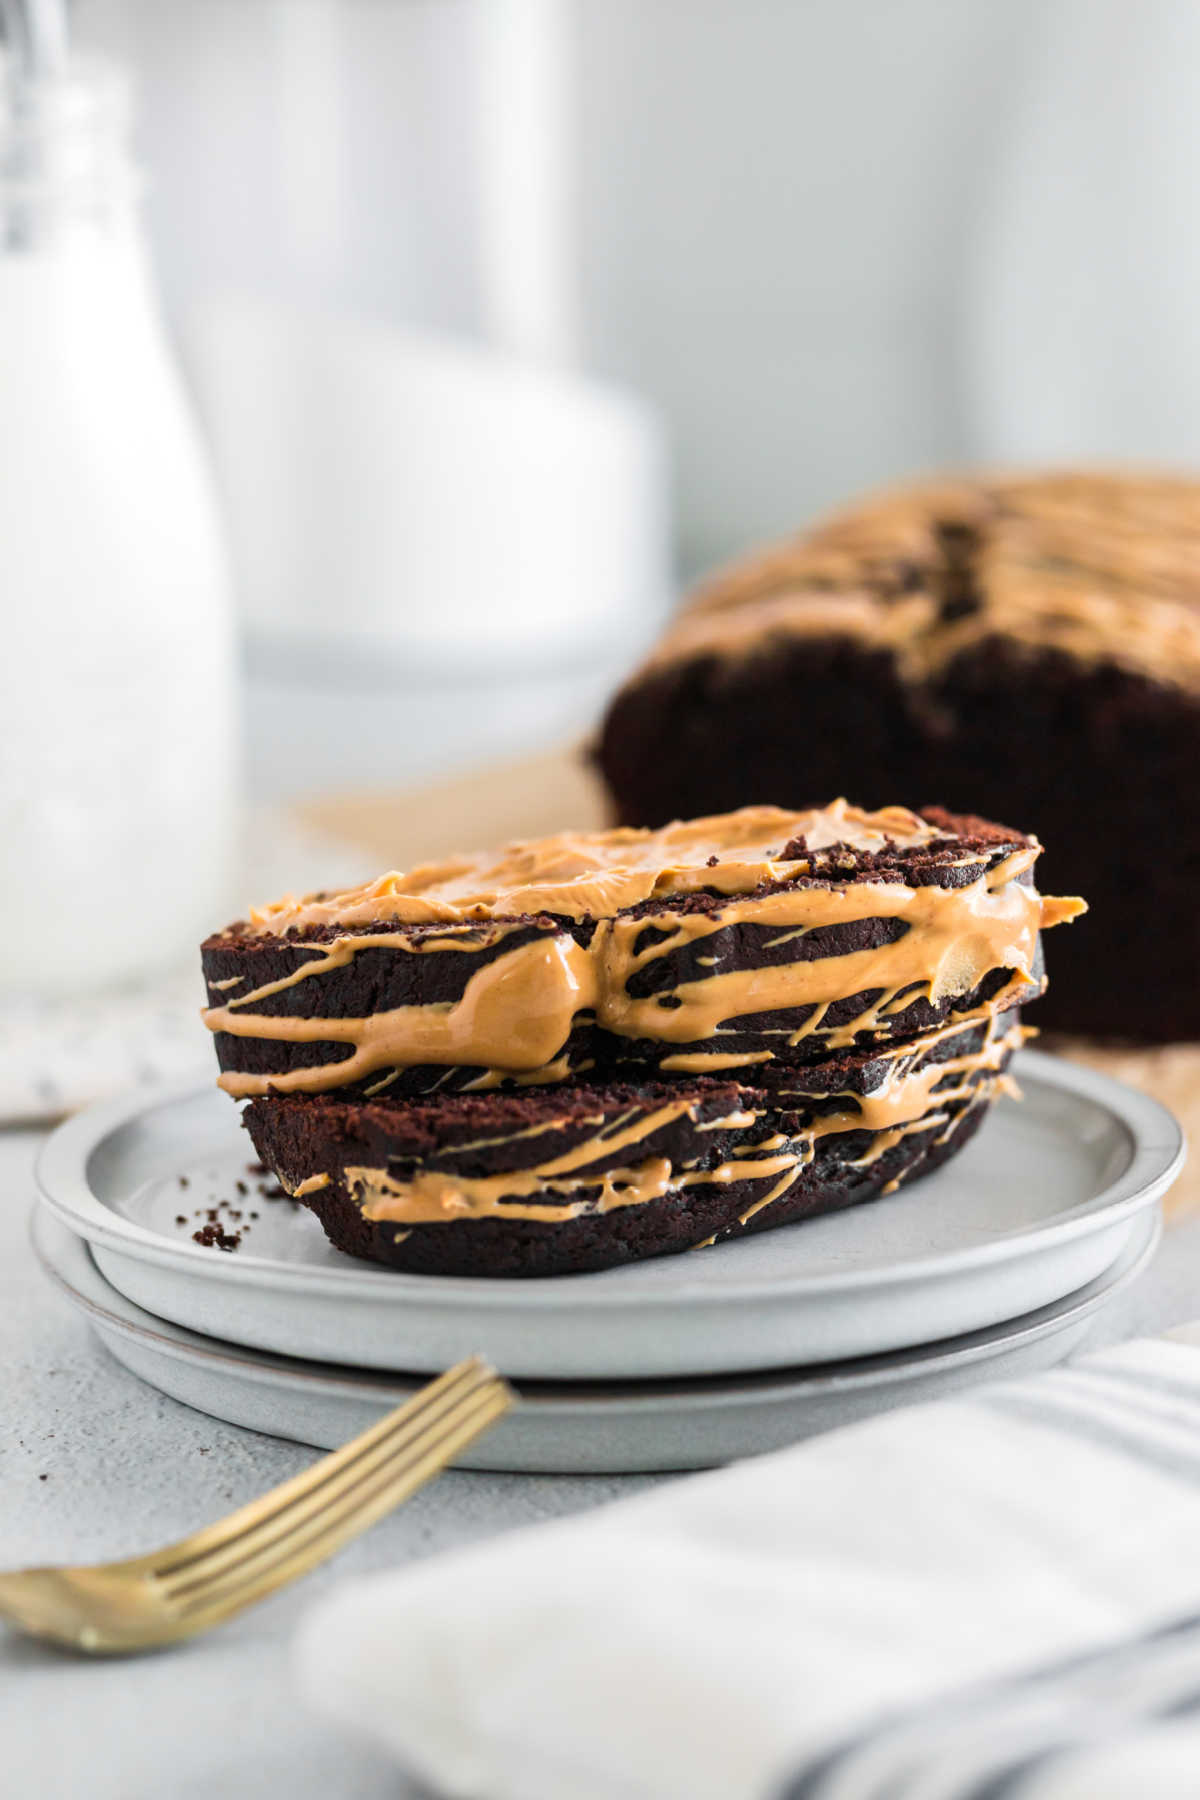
[
  {"x": 184, "y": 1182},
  {"x": 181, "y": 1218},
  {"x": 212, "y": 1235},
  {"x": 242, "y": 1187}
]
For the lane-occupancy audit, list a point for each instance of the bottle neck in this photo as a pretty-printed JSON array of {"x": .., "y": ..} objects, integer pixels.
[{"x": 65, "y": 162}]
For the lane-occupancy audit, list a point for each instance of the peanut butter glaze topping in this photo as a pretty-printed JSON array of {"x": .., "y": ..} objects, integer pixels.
[
  {"x": 673, "y": 976},
  {"x": 1103, "y": 567},
  {"x": 580, "y": 875}
]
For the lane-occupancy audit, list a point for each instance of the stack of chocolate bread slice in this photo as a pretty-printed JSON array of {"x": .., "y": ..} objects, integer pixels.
[{"x": 598, "y": 1047}]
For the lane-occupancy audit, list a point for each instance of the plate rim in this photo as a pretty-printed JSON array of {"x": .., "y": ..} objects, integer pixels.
[
  {"x": 1157, "y": 1154},
  {"x": 116, "y": 1312}
]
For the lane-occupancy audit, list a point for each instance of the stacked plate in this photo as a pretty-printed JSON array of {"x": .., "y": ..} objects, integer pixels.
[{"x": 992, "y": 1266}]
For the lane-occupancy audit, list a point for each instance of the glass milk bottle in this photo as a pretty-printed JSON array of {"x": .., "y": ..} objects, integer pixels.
[{"x": 116, "y": 661}]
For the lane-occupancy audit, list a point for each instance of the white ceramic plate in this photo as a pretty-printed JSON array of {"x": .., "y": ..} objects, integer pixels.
[
  {"x": 1041, "y": 1202},
  {"x": 588, "y": 1428}
]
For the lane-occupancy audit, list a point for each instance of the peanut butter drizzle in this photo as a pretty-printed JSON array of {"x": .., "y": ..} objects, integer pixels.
[
  {"x": 313, "y": 1185},
  {"x": 430, "y": 1198},
  {"x": 907, "y": 1103},
  {"x": 903, "y": 1103},
  {"x": 1104, "y": 567},
  {"x": 434, "y": 1195},
  {"x": 954, "y": 937},
  {"x": 701, "y": 1062},
  {"x": 593, "y": 874},
  {"x": 1060, "y": 910},
  {"x": 517, "y": 1011},
  {"x": 1158, "y": 638}
]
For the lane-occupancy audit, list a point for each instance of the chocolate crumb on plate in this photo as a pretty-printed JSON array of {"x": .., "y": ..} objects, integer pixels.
[{"x": 213, "y": 1237}]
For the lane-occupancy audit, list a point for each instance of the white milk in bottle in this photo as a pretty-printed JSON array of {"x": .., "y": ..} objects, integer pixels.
[{"x": 116, "y": 656}]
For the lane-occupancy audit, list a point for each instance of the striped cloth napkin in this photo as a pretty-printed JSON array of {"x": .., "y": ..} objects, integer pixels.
[{"x": 990, "y": 1598}]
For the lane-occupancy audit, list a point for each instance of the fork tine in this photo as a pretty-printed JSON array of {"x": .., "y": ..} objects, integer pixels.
[
  {"x": 310, "y": 1511},
  {"x": 181, "y": 1559},
  {"x": 367, "y": 1500}
]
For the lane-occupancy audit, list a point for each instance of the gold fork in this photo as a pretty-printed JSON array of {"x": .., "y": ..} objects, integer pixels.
[{"x": 205, "y": 1579}]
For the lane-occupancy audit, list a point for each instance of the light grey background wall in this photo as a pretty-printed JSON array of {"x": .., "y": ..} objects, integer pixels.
[
  {"x": 780, "y": 200},
  {"x": 775, "y": 201}
]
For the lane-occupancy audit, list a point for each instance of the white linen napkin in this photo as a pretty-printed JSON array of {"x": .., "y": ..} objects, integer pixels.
[{"x": 990, "y": 1598}]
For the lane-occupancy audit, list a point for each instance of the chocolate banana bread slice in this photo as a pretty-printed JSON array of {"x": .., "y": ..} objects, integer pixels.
[
  {"x": 723, "y": 944},
  {"x": 575, "y": 1177},
  {"x": 1025, "y": 646}
]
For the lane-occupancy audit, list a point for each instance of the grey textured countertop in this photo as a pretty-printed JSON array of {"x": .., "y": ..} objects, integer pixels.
[{"x": 93, "y": 1464}]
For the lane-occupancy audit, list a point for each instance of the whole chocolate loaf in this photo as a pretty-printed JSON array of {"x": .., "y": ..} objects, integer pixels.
[{"x": 1027, "y": 646}]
